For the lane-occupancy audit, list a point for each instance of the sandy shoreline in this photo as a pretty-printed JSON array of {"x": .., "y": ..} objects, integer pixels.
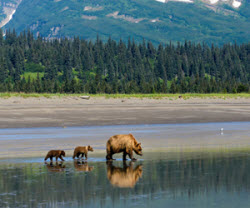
[
  {"x": 204, "y": 137},
  {"x": 17, "y": 112}
]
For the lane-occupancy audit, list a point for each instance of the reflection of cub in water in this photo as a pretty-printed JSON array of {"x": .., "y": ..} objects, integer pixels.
[
  {"x": 125, "y": 177},
  {"x": 57, "y": 167},
  {"x": 82, "y": 166}
]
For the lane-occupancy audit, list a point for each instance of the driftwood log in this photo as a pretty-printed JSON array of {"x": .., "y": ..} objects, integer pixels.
[{"x": 85, "y": 97}]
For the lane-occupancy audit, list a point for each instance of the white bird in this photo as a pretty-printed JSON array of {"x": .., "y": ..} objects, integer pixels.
[{"x": 221, "y": 131}]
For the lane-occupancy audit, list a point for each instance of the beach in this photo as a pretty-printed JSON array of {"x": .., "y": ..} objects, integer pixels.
[
  {"x": 18, "y": 112},
  {"x": 29, "y": 127}
]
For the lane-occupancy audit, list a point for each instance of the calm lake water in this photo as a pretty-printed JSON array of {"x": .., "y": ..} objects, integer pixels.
[
  {"x": 157, "y": 180},
  {"x": 164, "y": 177}
]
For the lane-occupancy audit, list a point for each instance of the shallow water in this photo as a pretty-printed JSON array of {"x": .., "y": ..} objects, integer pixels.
[
  {"x": 24, "y": 142},
  {"x": 95, "y": 132},
  {"x": 157, "y": 180}
]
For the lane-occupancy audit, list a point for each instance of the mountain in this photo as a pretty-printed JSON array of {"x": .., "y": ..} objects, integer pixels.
[
  {"x": 216, "y": 21},
  {"x": 7, "y": 9}
]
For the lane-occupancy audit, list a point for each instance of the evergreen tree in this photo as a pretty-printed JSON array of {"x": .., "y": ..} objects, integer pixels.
[{"x": 76, "y": 65}]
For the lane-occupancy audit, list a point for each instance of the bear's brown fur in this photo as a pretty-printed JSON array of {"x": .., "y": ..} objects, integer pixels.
[
  {"x": 82, "y": 150},
  {"x": 125, "y": 143},
  {"x": 55, "y": 153},
  {"x": 82, "y": 166},
  {"x": 125, "y": 177}
]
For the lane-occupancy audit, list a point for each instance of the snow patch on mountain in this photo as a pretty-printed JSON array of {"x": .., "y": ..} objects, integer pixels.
[
  {"x": 236, "y": 4},
  {"x": 213, "y": 1},
  {"x": 87, "y": 17},
  {"x": 186, "y": 1},
  {"x": 93, "y": 9},
  {"x": 232, "y": 3},
  {"x": 125, "y": 17},
  {"x": 64, "y": 9},
  {"x": 9, "y": 10},
  {"x": 155, "y": 20}
]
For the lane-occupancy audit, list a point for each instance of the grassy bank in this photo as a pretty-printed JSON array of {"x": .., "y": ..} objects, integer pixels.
[{"x": 127, "y": 96}]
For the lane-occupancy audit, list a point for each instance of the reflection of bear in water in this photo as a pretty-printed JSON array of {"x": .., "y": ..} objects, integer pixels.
[
  {"x": 57, "y": 167},
  {"x": 82, "y": 166},
  {"x": 125, "y": 177}
]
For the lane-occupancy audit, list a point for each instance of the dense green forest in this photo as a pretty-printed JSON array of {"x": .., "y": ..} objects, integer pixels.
[{"x": 29, "y": 64}]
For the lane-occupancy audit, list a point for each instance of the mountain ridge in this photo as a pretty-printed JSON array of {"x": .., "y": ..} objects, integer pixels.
[{"x": 158, "y": 22}]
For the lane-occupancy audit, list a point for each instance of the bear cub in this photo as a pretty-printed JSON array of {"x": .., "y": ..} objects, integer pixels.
[
  {"x": 55, "y": 153},
  {"x": 82, "y": 150}
]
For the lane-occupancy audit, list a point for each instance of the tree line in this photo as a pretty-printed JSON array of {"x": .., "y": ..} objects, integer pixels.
[{"x": 74, "y": 65}]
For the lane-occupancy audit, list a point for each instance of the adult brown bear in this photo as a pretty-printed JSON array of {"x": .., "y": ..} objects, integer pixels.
[
  {"x": 125, "y": 177},
  {"x": 125, "y": 143},
  {"x": 55, "y": 153},
  {"x": 82, "y": 150}
]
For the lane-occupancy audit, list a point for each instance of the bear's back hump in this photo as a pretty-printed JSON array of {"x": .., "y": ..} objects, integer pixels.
[
  {"x": 81, "y": 148},
  {"x": 122, "y": 139}
]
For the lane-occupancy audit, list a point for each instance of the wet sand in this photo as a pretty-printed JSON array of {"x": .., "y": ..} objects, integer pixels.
[
  {"x": 91, "y": 122},
  {"x": 205, "y": 137},
  {"x": 17, "y": 112}
]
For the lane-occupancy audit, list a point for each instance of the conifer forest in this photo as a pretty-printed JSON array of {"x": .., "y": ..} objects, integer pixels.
[{"x": 74, "y": 65}]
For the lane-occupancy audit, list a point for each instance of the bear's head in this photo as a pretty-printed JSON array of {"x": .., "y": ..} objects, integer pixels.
[
  {"x": 138, "y": 149},
  {"x": 138, "y": 171},
  {"x": 90, "y": 148},
  {"x": 63, "y": 153}
]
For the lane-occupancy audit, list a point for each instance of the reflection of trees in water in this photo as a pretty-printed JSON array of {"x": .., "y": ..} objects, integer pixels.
[
  {"x": 124, "y": 177},
  {"x": 200, "y": 176},
  {"x": 191, "y": 177}
]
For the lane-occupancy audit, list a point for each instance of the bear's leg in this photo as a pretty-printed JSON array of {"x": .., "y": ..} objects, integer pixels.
[
  {"x": 77, "y": 155},
  {"x": 112, "y": 157},
  {"x": 51, "y": 159},
  {"x": 109, "y": 156},
  {"x": 74, "y": 155},
  {"x": 46, "y": 157},
  {"x": 61, "y": 157},
  {"x": 124, "y": 155},
  {"x": 57, "y": 158},
  {"x": 131, "y": 155}
]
